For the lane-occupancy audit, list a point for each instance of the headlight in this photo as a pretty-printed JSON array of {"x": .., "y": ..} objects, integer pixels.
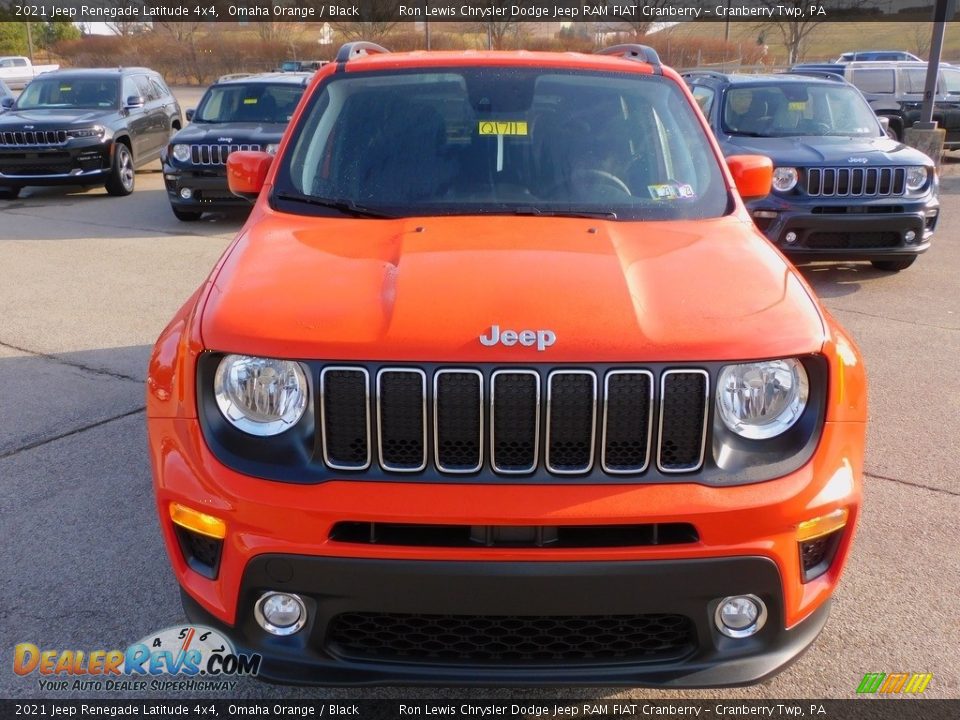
[
  {"x": 272, "y": 148},
  {"x": 917, "y": 178},
  {"x": 181, "y": 153},
  {"x": 762, "y": 400},
  {"x": 785, "y": 179},
  {"x": 260, "y": 396},
  {"x": 95, "y": 131}
]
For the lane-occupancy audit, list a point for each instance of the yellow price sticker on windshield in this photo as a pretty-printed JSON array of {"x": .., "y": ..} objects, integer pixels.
[
  {"x": 798, "y": 106},
  {"x": 503, "y": 127},
  {"x": 66, "y": 88},
  {"x": 250, "y": 101}
]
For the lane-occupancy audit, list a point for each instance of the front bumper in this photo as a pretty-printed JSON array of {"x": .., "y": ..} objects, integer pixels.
[
  {"x": 851, "y": 229},
  {"x": 691, "y": 588},
  {"x": 208, "y": 186},
  {"x": 747, "y": 544},
  {"x": 78, "y": 162}
]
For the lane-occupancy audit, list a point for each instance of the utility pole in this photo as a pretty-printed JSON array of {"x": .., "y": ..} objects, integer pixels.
[
  {"x": 944, "y": 10},
  {"x": 30, "y": 43}
]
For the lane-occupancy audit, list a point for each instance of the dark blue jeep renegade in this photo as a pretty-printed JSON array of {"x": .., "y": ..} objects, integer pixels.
[{"x": 842, "y": 190}]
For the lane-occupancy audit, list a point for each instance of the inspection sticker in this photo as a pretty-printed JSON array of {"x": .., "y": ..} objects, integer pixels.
[
  {"x": 503, "y": 127},
  {"x": 671, "y": 191}
]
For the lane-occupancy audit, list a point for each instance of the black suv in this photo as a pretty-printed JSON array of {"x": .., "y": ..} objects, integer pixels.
[
  {"x": 86, "y": 127},
  {"x": 242, "y": 113},
  {"x": 842, "y": 189}
]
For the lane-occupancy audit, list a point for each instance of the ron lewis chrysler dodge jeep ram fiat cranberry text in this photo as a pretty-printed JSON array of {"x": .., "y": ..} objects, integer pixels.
[{"x": 500, "y": 384}]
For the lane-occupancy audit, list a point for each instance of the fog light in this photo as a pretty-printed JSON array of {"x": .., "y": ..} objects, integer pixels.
[
  {"x": 909, "y": 236},
  {"x": 280, "y": 613},
  {"x": 740, "y": 616},
  {"x": 186, "y": 193},
  {"x": 790, "y": 237},
  {"x": 930, "y": 212}
]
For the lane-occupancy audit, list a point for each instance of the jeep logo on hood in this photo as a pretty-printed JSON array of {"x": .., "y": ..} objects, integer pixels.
[
  {"x": 528, "y": 338},
  {"x": 226, "y": 140},
  {"x": 857, "y": 160}
]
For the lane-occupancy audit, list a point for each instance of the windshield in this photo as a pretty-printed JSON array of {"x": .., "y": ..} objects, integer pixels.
[
  {"x": 502, "y": 140},
  {"x": 85, "y": 93},
  {"x": 249, "y": 102},
  {"x": 796, "y": 108}
]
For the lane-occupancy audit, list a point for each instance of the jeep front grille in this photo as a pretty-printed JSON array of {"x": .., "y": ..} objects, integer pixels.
[
  {"x": 215, "y": 154},
  {"x": 460, "y": 420},
  {"x": 33, "y": 137},
  {"x": 856, "y": 182}
]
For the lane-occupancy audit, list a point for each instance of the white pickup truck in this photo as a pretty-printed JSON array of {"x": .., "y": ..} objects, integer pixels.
[{"x": 16, "y": 71}]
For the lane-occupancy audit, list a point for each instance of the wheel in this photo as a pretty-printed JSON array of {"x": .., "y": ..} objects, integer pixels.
[
  {"x": 122, "y": 175},
  {"x": 186, "y": 215},
  {"x": 10, "y": 193},
  {"x": 893, "y": 265}
]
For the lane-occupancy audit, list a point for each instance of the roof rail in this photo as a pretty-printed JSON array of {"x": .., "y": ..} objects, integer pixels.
[
  {"x": 821, "y": 74},
  {"x": 354, "y": 50},
  {"x": 640, "y": 53},
  {"x": 703, "y": 73}
]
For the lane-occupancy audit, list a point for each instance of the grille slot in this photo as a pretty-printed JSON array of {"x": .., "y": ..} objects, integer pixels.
[
  {"x": 402, "y": 419},
  {"x": 215, "y": 154},
  {"x": 34, "y": 137},
  {"x": 683, "y": 420},
  {"x": 566, "y": 536},
  {"x": 627, "y": 421},
  {"x": 510, "y": 639},
  {"x": 345, "y": 417},
  {"x": 858, "y": 181},
  {"x": 458, "y": 420},
  {"x": 514, "y": 420},
  {"x": 571, "y": 421}
]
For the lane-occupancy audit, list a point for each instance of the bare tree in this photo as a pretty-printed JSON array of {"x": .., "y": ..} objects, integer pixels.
[
  {"x": 796, "y": 23},
  {"x": 181, "y": 32},
  {"x": 126, "y": 28},
  {"x": 920, "y": 37},
  {"x": 377, "y": 20}
]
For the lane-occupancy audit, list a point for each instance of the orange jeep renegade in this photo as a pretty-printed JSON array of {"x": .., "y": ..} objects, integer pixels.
[{"x": 499, "y": 384}]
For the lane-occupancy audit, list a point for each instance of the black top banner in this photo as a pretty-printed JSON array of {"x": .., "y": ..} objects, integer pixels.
[
  {"x": 452, "y": 709},
  {"x": 611, "y": 11}
]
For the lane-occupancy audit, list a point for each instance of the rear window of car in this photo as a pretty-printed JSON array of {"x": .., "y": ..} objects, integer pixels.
[
  {"x": 503, "y": 141},
  {"x": 874, "y": 81},
  {"x": 249, "y": 102}
]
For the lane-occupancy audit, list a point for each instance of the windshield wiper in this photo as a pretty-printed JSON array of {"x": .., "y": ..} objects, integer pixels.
[
  {"x": 571, "y": 212},
  {"x": 348, "y": 207},
  {"x": 747, "y": 133}
]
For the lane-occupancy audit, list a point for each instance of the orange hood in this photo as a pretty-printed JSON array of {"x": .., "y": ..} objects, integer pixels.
[{"x": 426, "y": 289}]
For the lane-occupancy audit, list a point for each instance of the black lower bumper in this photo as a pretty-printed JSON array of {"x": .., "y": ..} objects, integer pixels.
[
  {"x": 333, "y": 587},
  {"x": 208, "y": 189},
  {"x": 67, "y": 165},
  {"x": 863, "y": 235}
]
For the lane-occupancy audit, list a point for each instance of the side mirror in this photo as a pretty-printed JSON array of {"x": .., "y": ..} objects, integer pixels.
[
  {"x": 189, "y": 114},
  {"x": 247, "y": 171},
  {"x": 752, "y": 174},
  {"x": 7, "y": 103},
  {"x": 134, "y": 102}
]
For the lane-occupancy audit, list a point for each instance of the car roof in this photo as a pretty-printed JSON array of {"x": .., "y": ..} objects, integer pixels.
[
  {"x": 497, "y": 58},
  {"x": 99, "y": 72},
  {"x": 764, "y": 78},
  {"x": 289, "y": 78}
]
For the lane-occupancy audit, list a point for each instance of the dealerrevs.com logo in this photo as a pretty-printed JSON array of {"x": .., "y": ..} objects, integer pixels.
[{"x": 183, "y": 658}]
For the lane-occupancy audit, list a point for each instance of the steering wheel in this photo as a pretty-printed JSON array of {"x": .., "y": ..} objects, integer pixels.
[{"x": 601, "y": 177}]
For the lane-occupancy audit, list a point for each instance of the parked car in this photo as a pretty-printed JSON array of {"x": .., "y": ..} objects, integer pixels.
[
  {"x": 6, "y": 97},
  {"x": 885, "y": 55},
  {"x": 500, "y": 385},
  {"x": 301, "y": 65},
  {"x": 895, "y": 90},
  {"x": 244, "y": 113},
  {"x": 842, "y": 189},
  {"x": 86, "y": 127},
  {"x": 17, "y": 71}
]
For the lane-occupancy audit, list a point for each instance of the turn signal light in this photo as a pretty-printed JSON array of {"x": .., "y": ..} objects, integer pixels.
[
  {"x": 823, "y": 525},
  {"x": 197, "y": 521}
]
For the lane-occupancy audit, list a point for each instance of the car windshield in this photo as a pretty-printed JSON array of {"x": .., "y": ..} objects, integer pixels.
[
  {"x": 249, "y": 103},
  {"x": 81, "y": 93},
  {"x": 792, "y": 108},
  {"x": 501, "y": 141}
]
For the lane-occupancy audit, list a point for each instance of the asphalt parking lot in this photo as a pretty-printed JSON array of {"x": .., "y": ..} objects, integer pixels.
[{"x": 88, "y": 281}]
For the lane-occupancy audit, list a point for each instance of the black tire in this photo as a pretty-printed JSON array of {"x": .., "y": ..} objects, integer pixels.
[
  {"x": 186, "y": 215},
  {"x": 893, "y": 265},
  {"x": 122, "y": 174},
  {"x": 10, "y": 193}
]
